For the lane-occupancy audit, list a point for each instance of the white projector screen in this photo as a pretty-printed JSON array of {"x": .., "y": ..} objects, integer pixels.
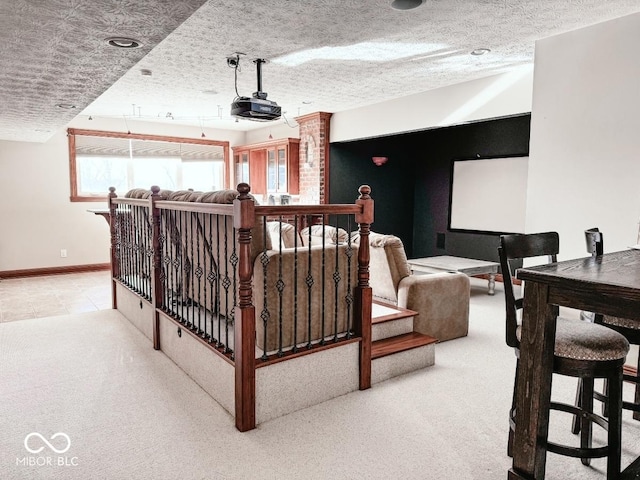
[{"x": 488, "y": 195}]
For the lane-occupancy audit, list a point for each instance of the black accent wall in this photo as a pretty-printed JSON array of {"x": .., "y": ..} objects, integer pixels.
[{"x": 411, "y": 191}]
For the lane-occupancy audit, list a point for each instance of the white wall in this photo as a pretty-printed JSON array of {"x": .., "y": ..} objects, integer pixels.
[
  {"x": 37, "y": 219},
  {"x": 584, "y": 165},
  {"x": 284, "y": 130},
  {"x": 495, "y": 96}
]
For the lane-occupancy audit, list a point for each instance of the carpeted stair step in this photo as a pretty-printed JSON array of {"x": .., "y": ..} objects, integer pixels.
[
  {"x": 399, "y": 343},
  {"x": 401, "y": 354},
  {"x": 390, "y": 321}
]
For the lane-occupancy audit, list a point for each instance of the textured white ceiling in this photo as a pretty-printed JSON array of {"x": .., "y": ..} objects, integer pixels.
[{"x": 323, "y": 55}]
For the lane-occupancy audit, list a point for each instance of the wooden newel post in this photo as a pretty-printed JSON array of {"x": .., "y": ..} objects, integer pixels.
[
  {"x": 364, "y": 295},
  {"x": 115, "y": 267},
  {"x": 245, "y": 319},
  {"x": 156, "y": 277}
]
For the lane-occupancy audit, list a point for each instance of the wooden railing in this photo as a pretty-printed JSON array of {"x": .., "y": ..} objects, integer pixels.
[{"x": 204, "y": 265}]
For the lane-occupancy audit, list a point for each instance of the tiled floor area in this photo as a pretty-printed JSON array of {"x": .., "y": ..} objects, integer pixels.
[{"x": 46, "y": 296}]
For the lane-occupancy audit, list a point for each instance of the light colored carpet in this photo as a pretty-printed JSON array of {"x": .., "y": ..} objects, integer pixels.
[{"x": 130, "y": 413}]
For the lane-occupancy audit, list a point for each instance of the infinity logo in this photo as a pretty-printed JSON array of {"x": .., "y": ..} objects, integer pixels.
[{"x": 54, "y": 436}]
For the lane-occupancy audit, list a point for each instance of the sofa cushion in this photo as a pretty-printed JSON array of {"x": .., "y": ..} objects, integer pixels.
[
  {"x": 283, "y": 234},
  {"x": 220, "y": 196},
  {"x": 182, "y": 196},
  {"x": 136, "y": 193},
  {"x": 332, "y": 235},
  {"x": 388, "y": 265}
]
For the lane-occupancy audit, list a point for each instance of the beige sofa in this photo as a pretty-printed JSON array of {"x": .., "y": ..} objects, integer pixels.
[
  {"x": 440, "y": 298},
  {"x": 303, "y": 310}
]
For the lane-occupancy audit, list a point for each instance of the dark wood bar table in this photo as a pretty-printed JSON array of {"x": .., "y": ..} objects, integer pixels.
[{"x": 608, "y": 284}]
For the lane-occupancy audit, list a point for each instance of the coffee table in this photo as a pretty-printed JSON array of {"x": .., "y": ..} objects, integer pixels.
[{"x": 468, "y": 266}]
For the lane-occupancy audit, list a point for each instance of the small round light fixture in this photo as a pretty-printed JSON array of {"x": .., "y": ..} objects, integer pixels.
[
  {"x": 123, "y": 42},
  {"x": 65, "y": 106},
  {"x": 480, "y": 51},
  {"x": 405, "y": 4},
  {"x": 379, "y": 161}
]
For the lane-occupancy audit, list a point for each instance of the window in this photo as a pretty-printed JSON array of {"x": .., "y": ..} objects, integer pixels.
[
  {"x": 277, "y": 169},
  {"x": 99, "y": 160}
]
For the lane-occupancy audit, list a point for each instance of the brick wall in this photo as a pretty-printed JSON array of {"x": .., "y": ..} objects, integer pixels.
[{"x": 314, "y": 157}]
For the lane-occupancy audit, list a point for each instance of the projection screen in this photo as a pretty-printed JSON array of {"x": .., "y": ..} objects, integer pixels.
[{"x": 488, "y": 195}]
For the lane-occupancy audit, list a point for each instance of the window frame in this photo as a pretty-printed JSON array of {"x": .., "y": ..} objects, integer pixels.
[{"x": 73, "y": 132}]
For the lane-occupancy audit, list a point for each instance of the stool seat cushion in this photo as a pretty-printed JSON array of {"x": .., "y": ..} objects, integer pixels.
[
  {"x": 621, "y": 322},
  {"x": 580, "y": 340}
]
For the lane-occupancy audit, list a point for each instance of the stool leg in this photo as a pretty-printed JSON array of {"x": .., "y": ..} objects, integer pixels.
[
  {"x": 636, "y": 415},
  {"x": 575, "y": 424},
  {"x": 510, "y": 443},
  {"x": 512, "y": 414},
  {"x": 615, "y": 425},
  {"x": 605, "y": 392},
  {"x": 585, "y": 422}
]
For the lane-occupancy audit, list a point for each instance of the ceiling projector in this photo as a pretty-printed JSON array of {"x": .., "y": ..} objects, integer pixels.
[{"x": 257, "y": 107}]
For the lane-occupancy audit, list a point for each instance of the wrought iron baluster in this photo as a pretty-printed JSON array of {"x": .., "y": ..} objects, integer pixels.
[
  {"x": 130, "y": 251},
  {"x": 295, "y": 284},
  {"x": 226, "y": 284},
  {"x": 124, "y": 252},
  {"x": 349, "y": 296},
  {"x": 322, "y": 298},
  {"x": 264, "y": 315},
  {"x": 336, "y": 281},
  {"x": 280, "y": 287},
  {"x": 149, "y": 258},
  {"x": 163, "y": 245},
  {"x": 218, "y": 283},
  {"x": 191, "y": 256},
  {"x": 136, "y": 234},
  {"x": 183, "y": 273},
  {"x": 175, "y": 265},
  {"x": 118, "y": 241},
  {"x": 192, "y": 282},
  {"x": 198, "y": 272},
  {"x": 309, "y": 281},
  {"x": 202, "y": 222}
]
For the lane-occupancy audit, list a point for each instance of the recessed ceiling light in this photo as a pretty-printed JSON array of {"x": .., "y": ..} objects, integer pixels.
[
  {"x": 480, "y": 51},
  {"x": 405, "y": 4},
  {"x": 145, "y": 72},
  {"x": 66, "y": 106},
  {"x": 123, "y": 42}
]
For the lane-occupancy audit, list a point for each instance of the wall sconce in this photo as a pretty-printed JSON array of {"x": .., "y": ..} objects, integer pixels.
[
  {"x": 379, "y": 161},
  {"x": 309, "y": 151}
]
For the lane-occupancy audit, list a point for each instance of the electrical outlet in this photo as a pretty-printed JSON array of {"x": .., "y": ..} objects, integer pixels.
[{"x": 63, "y": 253}]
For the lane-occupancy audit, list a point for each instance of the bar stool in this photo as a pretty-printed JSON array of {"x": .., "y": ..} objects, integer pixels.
[
  {"x": 582, "y": 349},
  {"x": 631, "y": 331}
]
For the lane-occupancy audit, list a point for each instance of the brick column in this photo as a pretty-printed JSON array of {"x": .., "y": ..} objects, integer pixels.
[{"x": 314, "y": 157}]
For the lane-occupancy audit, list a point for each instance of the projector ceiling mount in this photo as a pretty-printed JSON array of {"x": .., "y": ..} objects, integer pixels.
[{"x": 257, "y": 107}]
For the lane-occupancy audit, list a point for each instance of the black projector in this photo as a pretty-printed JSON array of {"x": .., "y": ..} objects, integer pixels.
[{"x": 256, "y": 109}]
